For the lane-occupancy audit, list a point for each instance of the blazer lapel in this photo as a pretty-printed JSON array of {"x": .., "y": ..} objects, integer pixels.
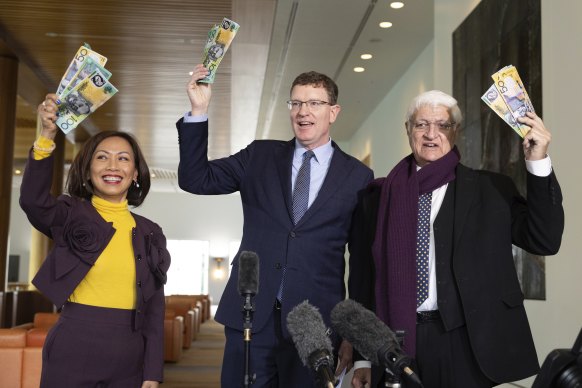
[
  {"x": 339, "y": 169},
  {"x": 284, "y": 161}
]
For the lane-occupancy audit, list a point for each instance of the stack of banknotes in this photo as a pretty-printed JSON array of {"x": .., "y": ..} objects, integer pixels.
[
  {"x": 509, "y": 99},
  {"x": 84, "y": 87},
  {"x": 219, "y": 40}
]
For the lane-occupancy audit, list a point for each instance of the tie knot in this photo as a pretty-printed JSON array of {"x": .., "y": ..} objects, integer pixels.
[{"x": 308, "y": 155}]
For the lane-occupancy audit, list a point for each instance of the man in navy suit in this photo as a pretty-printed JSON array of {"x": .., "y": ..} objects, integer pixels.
[{"x": 300, "y": 259}]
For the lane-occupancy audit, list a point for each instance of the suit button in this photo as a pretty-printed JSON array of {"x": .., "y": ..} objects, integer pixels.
[
  {"x": 292, "y": 234},
  {"x": 139, "y": 283},
  {"x": 278, "y": 266},
  {"x": 138, "y": 257}
]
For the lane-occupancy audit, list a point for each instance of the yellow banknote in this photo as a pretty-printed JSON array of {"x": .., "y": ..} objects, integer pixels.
[{"x": 84, "y": 99}]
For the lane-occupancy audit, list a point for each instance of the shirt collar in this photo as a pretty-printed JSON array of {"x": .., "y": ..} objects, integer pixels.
[{"x": 322, "y": 153}]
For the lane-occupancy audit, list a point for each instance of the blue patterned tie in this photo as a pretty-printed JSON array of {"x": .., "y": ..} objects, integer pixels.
[
  {"x": 300, "y": 200},
  {"x": 422, "y": 244},
  {"x": 301, "y": 190}
]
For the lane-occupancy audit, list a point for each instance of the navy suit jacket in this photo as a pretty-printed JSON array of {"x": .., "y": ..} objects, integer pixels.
[
  {"x": 481, "y": 217},
  {"x": 313, "y": 250}
]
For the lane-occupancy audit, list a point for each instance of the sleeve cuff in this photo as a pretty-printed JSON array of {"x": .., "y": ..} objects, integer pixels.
[
  {"x": 362, "y": 364},
  {"x": 188, "y": 118},
  {"x": 541, "y": 168}
]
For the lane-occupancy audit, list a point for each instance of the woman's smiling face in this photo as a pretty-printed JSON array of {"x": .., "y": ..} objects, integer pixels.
[{"x": 113, "y": 169}]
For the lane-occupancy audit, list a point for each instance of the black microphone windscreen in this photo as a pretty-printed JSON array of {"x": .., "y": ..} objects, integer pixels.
[
  {"x": 308, "y": 331},
  {"x": 248, "y": 273},
  {"x": 362, "y": 329}
]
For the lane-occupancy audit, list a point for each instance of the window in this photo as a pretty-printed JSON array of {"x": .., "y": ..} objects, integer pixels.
[{"x": 188, "y": 274}]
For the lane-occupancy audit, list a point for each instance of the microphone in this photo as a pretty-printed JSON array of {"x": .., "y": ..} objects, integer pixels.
[
  {"x": 309, "y": 334},
  {"x": 248, "y": 273},
  {"x": 248, "y": 286},
  {"x": 372, "y": 338}
]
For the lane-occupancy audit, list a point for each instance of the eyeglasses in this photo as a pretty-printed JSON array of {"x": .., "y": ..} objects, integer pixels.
[
  {"x": 423, "y": 126},
  {"x": 312, "y": 105}
]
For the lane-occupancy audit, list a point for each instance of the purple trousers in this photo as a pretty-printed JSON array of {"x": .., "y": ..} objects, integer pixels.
[{"x": 93, "y": 347}]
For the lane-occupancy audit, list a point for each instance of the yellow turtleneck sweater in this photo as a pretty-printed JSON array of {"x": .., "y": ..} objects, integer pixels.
[{"x": 111, "y": 281}]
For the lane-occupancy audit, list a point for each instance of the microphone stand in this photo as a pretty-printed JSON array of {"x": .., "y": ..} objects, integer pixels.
[{"x": 247, "y": 326}]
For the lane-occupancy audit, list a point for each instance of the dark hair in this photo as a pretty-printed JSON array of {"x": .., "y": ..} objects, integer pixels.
[
  {"x": 78, "y": 183},
  {"x": 316, "y": 79}
]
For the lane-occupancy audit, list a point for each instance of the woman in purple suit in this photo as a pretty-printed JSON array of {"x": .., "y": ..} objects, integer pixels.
[{"x": 107, "y": 269}]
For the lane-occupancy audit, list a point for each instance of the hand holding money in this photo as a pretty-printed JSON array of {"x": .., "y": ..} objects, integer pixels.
[
  {"x": 199, "y": 93},
  {"x": 47, "y": 113},
  {"x": 537, "y": 140}
]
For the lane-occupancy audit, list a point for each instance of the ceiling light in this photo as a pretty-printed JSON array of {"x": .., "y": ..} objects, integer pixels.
[
  {"x": 17, "y": 172},
  {"x": 190, "y": 73},
  {"x": 397, "y": 4},
  {"x": 385, "y": 25},
  {"x": 359, "y": 69},
  {"x": 152, "y": 175},
  {"x": 366, "y": 56}
]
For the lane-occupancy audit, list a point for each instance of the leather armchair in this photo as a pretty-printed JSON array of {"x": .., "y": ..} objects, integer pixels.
[
  {"x": 183, "y": 310},
  {"x": 173, "y": 336},
  {"x": 21, "y": 357}
]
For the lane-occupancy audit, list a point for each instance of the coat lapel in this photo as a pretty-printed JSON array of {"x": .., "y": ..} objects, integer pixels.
[
  {"x": 339, "y": 169},
  {"x": 284, "y": 161}
]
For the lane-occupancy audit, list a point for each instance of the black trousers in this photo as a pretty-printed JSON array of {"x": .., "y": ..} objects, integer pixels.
[{"x": 444, "y": 359}]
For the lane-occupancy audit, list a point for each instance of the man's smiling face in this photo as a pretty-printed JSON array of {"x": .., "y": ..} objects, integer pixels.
[{"x": 431, "y": 143}]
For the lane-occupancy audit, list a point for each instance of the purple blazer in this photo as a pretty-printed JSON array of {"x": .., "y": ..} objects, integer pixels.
[{"x": 80, "y": 235}]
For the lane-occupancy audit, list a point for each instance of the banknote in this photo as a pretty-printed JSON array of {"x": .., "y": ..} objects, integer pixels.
[
  {"x": 88, "y": 66},
  {"x": 84, "y": 99},
  {"x": 83, "y": 53},
  {"x": 494, "y": 100},
  {"x": 219, "y": 39},
  {"x": 511, "y": 89}
]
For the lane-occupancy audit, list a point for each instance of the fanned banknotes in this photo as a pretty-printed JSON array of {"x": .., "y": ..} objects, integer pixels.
[
  {"x": 494, "y": 100},
  {"x": 218, "y": 42},
  {"x": 85, "y": 70},
  {"x": 83, "y": 88},
  {"x": 83, "y": 99},
  {"x": 82, "y": 54},
  {"x": 512, "y": 93}
]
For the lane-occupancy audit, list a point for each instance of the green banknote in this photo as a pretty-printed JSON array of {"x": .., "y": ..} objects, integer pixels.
[
  {"x": 219, "y": 40},
  {"x": 84, "y": 99},
  {"x": 511, "y": 89},
  {"x": 82, "y": 54},
  {"x": 494, "y": 100}
]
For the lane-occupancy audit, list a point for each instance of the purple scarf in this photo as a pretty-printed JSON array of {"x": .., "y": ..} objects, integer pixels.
[{"x": 394, "y": 247}]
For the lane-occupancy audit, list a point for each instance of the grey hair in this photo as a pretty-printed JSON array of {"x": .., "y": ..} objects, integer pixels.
[{"x": 435, "y": 98}]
